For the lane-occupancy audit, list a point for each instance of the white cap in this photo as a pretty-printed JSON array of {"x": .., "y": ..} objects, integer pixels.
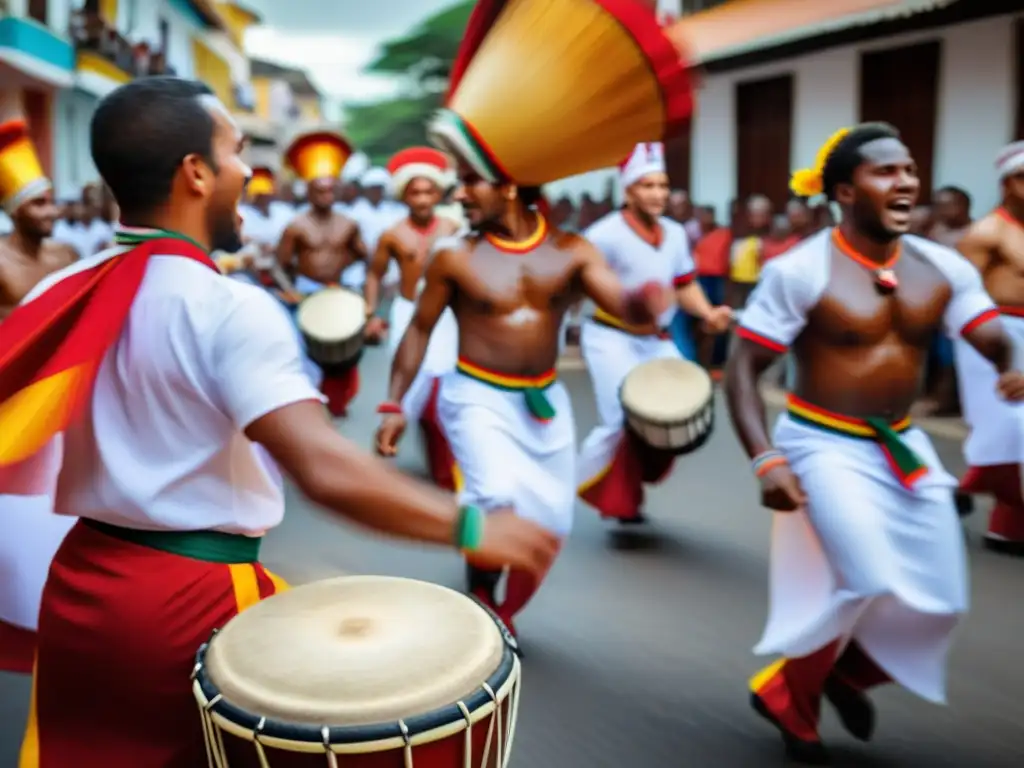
[
  {"x": 375, "y": 177},
  {"x": 355, "y": 167},
  {"x": 646, "y": 159},
  {"x": 1010, "y": 160}
]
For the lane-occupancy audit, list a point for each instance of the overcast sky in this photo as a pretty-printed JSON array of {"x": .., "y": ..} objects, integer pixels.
[{"x": 334, "y": 39}]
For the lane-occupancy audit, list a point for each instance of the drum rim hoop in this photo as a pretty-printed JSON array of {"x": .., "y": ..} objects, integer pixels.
[
  {"x": 651, "y": 421},
  {"x": 409, "y": 727}
]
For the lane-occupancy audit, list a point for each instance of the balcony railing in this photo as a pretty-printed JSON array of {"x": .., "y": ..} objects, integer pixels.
[{"x": 90, "y": 32}]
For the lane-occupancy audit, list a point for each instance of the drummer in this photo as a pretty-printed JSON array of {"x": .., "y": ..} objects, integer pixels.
[
  {"x": 186, "y": 376},
  {"x": 320, "y": 243},
  {"x": 641, "y": 245},
  {"x": 419, "y": 176}
]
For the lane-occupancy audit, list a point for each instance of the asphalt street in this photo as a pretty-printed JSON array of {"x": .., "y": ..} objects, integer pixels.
[{"x": 639, "y": 643}]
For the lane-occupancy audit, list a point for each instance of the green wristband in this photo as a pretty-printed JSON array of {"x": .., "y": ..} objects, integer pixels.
[{"x": 469, "y": 529}]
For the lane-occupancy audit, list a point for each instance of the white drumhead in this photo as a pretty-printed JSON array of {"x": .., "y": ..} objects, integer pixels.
[
  {"x": 332, "y": 315},
  {"x": 666, "y": 390},
  {"x": 355, "y": 650}
]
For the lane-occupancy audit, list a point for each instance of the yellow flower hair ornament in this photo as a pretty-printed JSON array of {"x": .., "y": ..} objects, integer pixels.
[{"x": 809, "y": 182}]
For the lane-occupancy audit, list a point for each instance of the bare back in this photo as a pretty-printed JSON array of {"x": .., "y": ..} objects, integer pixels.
[
  {"x": 995, "y": 245},
  {"x": 20, "y": 273},
  {"x": 321, "y": 248},
  {"x": 509, "y": 306},
  {"x": 863, "y": 353},
  {"x": 410, "y": 247}
]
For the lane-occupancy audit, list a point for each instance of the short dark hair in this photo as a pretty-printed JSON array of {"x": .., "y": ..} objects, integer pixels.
[
  {"x": 142, "y": 131},
  {"x": 846, "y": 157},
  {"x": 530, "y": 195},
  {"x": 964, "y": 196}
]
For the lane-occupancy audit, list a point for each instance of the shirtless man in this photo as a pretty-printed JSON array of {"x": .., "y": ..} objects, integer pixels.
[
  {"x": 508, "y": 419},
  {"x": 419, "y": 177},
  {"x": 320, "y": 243},
  {"x": 869, "y": 574},
  {"x": 32, "y": 532},
  {"x": 995, "y": 448}
]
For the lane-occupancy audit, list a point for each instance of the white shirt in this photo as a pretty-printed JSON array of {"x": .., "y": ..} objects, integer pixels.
[
  {"x": 162, "y": 446},
  {"x": 636, "y": 261}
]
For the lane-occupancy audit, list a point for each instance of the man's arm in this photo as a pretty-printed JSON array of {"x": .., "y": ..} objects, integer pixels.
[
  {"x": 286, "y": 247},
  {"x": 980, "y": 243},
  {"x": 971, "y": 313},
  {"x": 356, "y": 246},
  {"x": 436, "y": 295},
  {"x": 375, "y": 272},
  {"x": 602, "y": 286},
  {"x": 747, "y": 362}
]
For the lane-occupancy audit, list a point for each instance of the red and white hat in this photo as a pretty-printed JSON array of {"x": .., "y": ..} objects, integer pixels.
[
  {"x": 418, "y": 163},
  {"x": 646, "y": 158},
  {"x": 1010, "y": 160}
]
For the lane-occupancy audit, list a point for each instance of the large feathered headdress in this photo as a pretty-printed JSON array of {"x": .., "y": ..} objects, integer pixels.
[{"x": 545, "y": 89}]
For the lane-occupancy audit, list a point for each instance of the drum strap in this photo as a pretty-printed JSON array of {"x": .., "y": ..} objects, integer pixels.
[
  {"x": 903, "y": 460},
  {"x": 208, "y": 546},
  {"x": 534, "y": 387}
]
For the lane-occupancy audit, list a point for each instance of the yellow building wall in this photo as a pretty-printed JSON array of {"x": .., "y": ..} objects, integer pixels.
[
  {"x": 261, "y": 95},
  {"x": 108, "y": 11},
  {"x": 214, "y": 71},
  {"x": 237, "y": 20},
  {"x": 309, "y": 107}
]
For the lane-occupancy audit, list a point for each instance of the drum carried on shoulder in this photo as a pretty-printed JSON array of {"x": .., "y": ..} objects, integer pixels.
[
  {"x": 332, "y": 322},
  {"x": 360, "y": 671},
  {"x": 669, "y": 404}
]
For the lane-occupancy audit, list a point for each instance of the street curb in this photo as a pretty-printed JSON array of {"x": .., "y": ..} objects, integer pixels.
[{"x": 947, "y": 429}]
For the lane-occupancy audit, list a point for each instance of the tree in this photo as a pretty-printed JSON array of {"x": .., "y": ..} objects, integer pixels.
[{"x": 422, "y": 60}]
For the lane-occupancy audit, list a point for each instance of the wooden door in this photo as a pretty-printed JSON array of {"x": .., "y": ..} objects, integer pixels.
[
  {"x": 901, "y": 86},
  {"x": 37, "y": 9},
  {"x": 1019, "y": 133},
  {"x": 764, "y": 137},
  {"x": 677, "y": 160}
]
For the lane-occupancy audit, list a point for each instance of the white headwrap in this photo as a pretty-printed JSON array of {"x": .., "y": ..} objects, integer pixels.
[
  {"x": 1010, "y": 160},
  {"x": 375, "y": 177},
  {"x": 646, "y": 158},
  {"x": 355, "y": 167}
]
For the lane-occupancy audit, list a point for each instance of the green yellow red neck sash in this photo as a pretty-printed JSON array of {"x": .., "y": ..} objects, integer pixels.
[
  {"x": 904, "y": 462},
  {"x": 532, "y": 387},
  {"x": 54, "y": 344}
]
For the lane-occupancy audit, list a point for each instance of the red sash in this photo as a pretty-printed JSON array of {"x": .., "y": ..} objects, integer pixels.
[{"x": 51, "y": 347}]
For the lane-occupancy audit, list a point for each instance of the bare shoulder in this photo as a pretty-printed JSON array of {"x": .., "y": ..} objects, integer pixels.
[
  {"x": 986, "y": 232},
  {"x": 447, "y": 227},
  {"x": 582, "y": 250},
  {"x": 59, "y": 254},
  {"x": 447, "y": 254}
]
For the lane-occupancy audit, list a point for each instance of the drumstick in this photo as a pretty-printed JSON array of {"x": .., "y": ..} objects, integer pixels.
[{"x": 735, "y": 24}]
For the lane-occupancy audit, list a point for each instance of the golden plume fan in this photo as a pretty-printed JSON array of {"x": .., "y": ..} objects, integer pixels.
[
  {"x": 319, "y": 154},
  {"x": 544, "y": 89}
]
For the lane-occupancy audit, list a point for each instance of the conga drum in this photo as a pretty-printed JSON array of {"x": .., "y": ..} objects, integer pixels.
[
  {"x": 360, "y": 671},
  {"x": 332, "y": 321},
  {"x": 669, "y": 404}
]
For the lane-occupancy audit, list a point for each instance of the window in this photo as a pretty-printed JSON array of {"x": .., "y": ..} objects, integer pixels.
[{"x": 37, "y": 9}]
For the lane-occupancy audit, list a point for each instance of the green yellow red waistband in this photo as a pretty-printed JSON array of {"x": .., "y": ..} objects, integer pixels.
[
  {"x": 509, "y": 381},
  {"x": 850, "y": 426},
  {"x": 611, "y": 321},
  {"x": 208, "y": 546}
]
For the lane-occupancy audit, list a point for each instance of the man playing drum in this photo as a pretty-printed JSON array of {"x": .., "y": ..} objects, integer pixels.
[
  {"x": 510, "y": 281},
  {"x": 641, "y": 245},
  {"x": 167, "y": 381},
  {"x": 869, "y": 574},
  {"x": 320, "y": 243},
  {"x": 419, "y": 176},
  {"x": 995, "y": 448}
]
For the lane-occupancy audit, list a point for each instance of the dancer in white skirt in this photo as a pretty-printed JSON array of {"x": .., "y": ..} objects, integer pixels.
[
  {"x": 508, "y": 419},
  {"x": 642, "y": 246},
  {"x": 868, "y": 574},
  {"x": 995, "y": 447},
  {"x": 419, "y": 176}
]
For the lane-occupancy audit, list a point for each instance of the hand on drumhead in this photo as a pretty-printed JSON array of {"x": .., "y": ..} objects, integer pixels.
[
  {"x": 718, "y": 320},
  {"x": 390, "y": 431},
  {"x": 781, "y": 491},
  {"x": 511, "y": 540}
]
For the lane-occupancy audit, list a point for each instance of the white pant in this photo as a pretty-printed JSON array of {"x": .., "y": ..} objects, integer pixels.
[
  {"x": 505, "y": 457},
  {"x": 441, "y": 355},
  {"x": 868, "y": 559}
]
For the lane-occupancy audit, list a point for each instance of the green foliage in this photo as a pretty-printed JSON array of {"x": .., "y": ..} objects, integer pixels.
[{"x": 422, "y": 60}]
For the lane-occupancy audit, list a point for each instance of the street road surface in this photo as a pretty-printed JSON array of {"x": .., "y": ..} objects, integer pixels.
[{"x": 638, "y": 646}]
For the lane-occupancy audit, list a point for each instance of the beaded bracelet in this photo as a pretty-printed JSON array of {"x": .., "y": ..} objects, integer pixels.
[
  {"x": 469, "y": 528},
  {"x": 766, "y": 461}
]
